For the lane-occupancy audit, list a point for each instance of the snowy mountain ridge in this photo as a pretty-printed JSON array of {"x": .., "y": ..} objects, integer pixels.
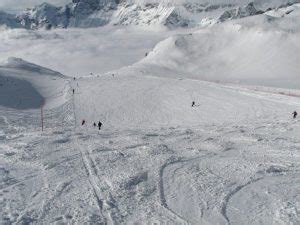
[{"x": 172, "y": 14}]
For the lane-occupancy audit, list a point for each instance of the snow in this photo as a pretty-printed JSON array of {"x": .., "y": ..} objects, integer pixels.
[
  {"x": 27, "y": 86},
  {"x": 231, "y": 159},
  {"x": 235, "y": 51}
]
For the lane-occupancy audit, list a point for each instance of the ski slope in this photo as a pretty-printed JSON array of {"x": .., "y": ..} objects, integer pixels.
[
  {"x": 231, "y": 159},
  {"x": 136, "y": 101}
]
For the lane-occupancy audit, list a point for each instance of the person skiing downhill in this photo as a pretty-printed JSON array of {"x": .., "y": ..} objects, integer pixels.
[
  {"x": 83, "y": 122},
  {"x": 193, "y": 104},
  {"x": 295, "y": 114},
  {"x": 99, "y": 125},
  {"x": 94, "y": 124}
]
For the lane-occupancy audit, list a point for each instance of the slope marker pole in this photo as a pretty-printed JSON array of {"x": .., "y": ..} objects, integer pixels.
[{"x": 42, "y": 114}]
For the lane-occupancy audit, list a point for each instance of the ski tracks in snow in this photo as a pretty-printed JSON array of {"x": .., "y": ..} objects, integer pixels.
[
  {"x": 100, "y": 188},
  {"x": 163, "y": 200}
]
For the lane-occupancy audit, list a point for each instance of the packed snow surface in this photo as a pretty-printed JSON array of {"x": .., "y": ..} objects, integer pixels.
[{"x": 233, "y": 158}]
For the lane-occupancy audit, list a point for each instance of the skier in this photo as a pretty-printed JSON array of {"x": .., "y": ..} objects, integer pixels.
[
  {"x": 99, "y": 125},
  {"x": 193, "y": 104},
  {"x": 73, "y": 91},
  {"x": 295, "y": 114},
  {"x": 83, "y": 122},
  {"x": 94, "y": 124}
]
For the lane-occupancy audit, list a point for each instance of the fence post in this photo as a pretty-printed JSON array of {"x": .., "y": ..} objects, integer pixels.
[{"x": 42, "y": 114}]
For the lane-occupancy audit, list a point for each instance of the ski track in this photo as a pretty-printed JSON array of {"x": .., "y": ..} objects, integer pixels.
[
  {"x": 162, "y": 191},
  {"x": 227, "y": 198},
  {"x": 94, "y": 183}
]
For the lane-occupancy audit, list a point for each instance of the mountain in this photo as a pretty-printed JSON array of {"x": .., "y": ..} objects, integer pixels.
[
  {"x": 9, "y": 20},
  {"x": 172, "y": 14},
  {"x": 79, "y": 13}
]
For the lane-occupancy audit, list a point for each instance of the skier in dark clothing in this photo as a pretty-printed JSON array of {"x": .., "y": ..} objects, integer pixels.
[
  {"x": 99, "y": 125},
  {"x": 193, "y": 104},
  {"x": 94, "y": 124},
  {"x": 295, "y": 114},
  {"x": 73, "y": 91},
  {"x": 83, "y": 122}
]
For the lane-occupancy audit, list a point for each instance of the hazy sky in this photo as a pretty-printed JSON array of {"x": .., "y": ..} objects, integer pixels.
[{"x": 23, "y": 4}]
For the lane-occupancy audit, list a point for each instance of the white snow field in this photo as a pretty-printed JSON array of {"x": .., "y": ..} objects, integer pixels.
[{"x": 234, "y": 158}]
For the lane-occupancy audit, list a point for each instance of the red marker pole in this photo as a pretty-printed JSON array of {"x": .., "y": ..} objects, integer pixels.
[{"x": 42, "y": 114}]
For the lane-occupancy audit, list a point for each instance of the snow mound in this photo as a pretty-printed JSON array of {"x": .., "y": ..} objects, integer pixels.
[
  {"x": 20, "y": 64},
  {"x": 26, "y": 86}
]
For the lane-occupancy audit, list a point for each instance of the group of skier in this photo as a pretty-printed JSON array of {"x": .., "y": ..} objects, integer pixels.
[
  {"x": 83, "y": 122},
  {"x": 99, "y": 125}
]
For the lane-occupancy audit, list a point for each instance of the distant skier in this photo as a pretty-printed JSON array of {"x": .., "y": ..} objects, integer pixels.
[
  {"x": 193, "y": 104},
  {"x": 83, "y": 122},
  {"x": 94, "y": 124},
  {"x": 99, "y": 125},
  {"x": 73, "y": 91},
  {"x": 295, "y": 114}
]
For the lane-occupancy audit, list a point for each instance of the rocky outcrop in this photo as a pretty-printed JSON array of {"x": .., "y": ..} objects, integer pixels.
[
  {"x": 79, "y": 13},
  {"x": 95, "y": 13},
  {"x": 240, "y": 12},
  {"x": 9, "y": 20}
]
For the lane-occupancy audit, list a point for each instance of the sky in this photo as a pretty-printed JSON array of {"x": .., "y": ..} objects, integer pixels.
[{"x": 16, "y": 5}]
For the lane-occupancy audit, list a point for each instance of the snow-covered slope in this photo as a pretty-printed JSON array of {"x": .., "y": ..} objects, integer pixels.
[
  {"x": 27, "y": 86},
  {"x": 260, "y": 50},
  {"x": 234, "y": 157}
]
